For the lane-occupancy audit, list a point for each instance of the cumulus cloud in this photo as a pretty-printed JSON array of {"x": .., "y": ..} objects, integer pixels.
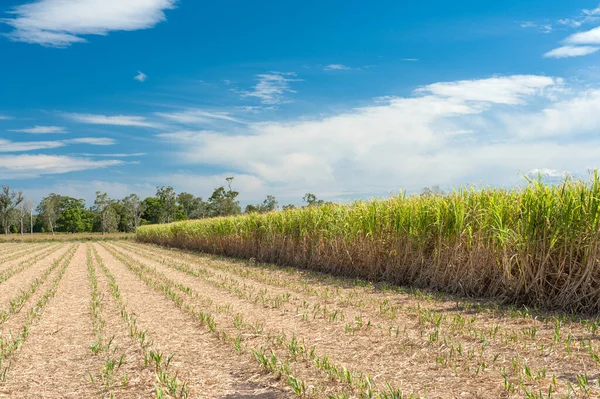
[
  {"x": 42, "y": 130},
  {"x": 449, "y": 132},
  {"x": 117, "y": 120},
  {"x": 272, "y": 87},
  {"x": 61, "y": 23},
  {"x": 141, "y": 77}
]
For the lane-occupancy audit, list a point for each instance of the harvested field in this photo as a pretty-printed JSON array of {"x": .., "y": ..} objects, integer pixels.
[{"x": 95, "y": 319}]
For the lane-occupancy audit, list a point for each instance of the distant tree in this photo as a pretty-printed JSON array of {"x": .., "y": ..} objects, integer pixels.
[
  {"x": 268, "y": 205},
  {"x": 108, "y": 217},
  {"x": 433, "y": 190},
  {"x": 134, "y": 209},
  {"x": 49, "y": 210},
  {"x": 28, "y": 207},
  {"x": 9, "y": 200},
  {"x": 312, "y": 200},
  {"x": 223, "y": 202},
  {"x": 153, "y": 210},
  {"x": 288, "y": 207},
  {"x": 74, "y": 217},
  {"x": 168, "y": 200},
  {"x": 187, "y": 203}
]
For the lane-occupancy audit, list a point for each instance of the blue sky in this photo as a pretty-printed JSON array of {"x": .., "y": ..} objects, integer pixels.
[{"x": 346, "y": 99}]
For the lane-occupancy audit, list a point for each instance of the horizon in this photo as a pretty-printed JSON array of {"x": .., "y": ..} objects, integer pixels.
[{"x": 350, "y": 102}]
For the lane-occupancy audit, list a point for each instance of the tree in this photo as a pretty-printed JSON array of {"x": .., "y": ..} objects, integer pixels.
[
  {"x": 74, "y": 217},
  {"x": 153, "y": 210},
  {"x": 312, "y": 200},
  {"x": 168, "y": 199},
  {"x": 25, "y": 209},
  {"x": 433, "y": 190},
  {"x": 49, "y": 210},
  {"x": 288, "y": 207},
  {"x": 223, "y": 202},
  {"x": 134, "y": 211},
  {"x": 28, "y": 207},
  {"x": 9, "y": 200},
  {"x": 103, "y": 206},
  {"x": 268, "y": 205}
]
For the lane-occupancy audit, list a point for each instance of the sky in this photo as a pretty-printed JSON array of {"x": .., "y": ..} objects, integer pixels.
[{"x": 345, "y": 99}]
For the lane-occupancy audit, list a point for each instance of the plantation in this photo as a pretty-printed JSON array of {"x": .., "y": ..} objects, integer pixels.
[
  {"x": 536, "y": 246},
  {"x": 123, "y": 319}
]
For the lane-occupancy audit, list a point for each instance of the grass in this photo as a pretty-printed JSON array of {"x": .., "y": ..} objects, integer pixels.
[{"x": 536, "y": 246}]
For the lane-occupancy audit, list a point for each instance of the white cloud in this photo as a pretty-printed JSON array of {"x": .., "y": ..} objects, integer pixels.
[
  {"x": 571, "y": 51},
  {"x": 501, "y": 90},
  {"x": 336, "y": 67},
  {"x": 60, "y": 23},
  {"x": 5, "y": 117},
  {"x": 117, "y": 120},
  {"x": 449, "y": 132},
  {"x": 92, "y": 141},
  {"x": 23, "y": 146},
  {"x": 141, "y": 77},
  {"x": 41, "y": 130},
  {"x": 10, "y": 146},
  {"x": 197, "y": 117},
  {"x": 117, "y": 155},
  {"x": 410, "y": 59},
  {"x": 575, "y": 115},
  {"x": 272, "y": 87},
  {"x": 544, "y": 28},
  {"x": 31, "y": 166},
  {"x": 587, "y": 37},
  {"x": 547, "y": 172}
]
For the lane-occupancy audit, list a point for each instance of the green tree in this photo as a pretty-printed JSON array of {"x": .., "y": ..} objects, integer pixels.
[
  {"x": 223, "y": 202},
  {"x": 74, "y": 217},
  {"x": 312, "y": 200},
  {"x": 9, "y": 200},
  {"x": 268, "y": 205},
  {"x": 107, "y": 215},
  {"x": 49, "y": 211},
  {"x": 153, "y": 209},
  {"x": 132, "y": 213},
  {"x": 168, "y": 199}
]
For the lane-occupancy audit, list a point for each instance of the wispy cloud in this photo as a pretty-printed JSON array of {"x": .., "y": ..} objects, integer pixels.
[
  {"x": 32, "y": 166},
  {"x": 11, "y": 146},
  {"x": 272, "y": 87},
  {"x": 92, "y": 141},
  {"x": 24, "y": 146},
  {"x": 117, "y": 155},
  {"x": 571, "y": 51},
  {"x": 499, "y": 90},
  {"x": 42, "y": 130},
  {"x": 410, "y": 59},
  {"x": 141, "y": 76},
  {"x": 586, "y": 16},
  {"x": 543, "y": 27},
  {"x": 197, "y": 117},
  {"x": 5, "y": 117},
  {"x": 116, "y": 120},
  {"x": 60, "y": 23},
  {"x": 580, "y": 43},
  {"x": 336, "y": 67}
]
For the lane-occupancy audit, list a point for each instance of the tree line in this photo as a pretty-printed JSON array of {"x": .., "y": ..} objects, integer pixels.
[{"x": 60, "y": 213}]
